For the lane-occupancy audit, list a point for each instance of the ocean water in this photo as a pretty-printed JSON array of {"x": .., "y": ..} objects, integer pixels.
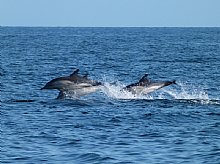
[{"x": 177, "y": 124}]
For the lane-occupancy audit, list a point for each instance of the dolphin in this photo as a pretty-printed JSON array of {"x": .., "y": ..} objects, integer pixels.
[
  {"x": 74, "y": 84},
  {"x": 145, "y": 86}
]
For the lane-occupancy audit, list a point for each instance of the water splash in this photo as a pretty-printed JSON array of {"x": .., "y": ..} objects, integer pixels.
[
  {"x": 182, "y": 91},
  {"x": 187, "y": 91},
  {"x": 116, "y": 91}
]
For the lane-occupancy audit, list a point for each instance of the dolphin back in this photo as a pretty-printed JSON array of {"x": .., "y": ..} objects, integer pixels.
[{"x": 71, "y": 82}]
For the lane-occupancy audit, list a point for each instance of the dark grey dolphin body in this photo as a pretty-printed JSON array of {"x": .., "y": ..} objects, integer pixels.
[
  {"x": 74, "y": 83},
  {"x": 145, "y": 86}
]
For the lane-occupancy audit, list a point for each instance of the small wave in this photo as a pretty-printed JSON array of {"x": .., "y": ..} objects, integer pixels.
[
  {"x": 93, "y": 157},
  {"x": 2, "y": 71},
  {"x": 200, "y": 101},
  {"x": 23, "y": 100}
]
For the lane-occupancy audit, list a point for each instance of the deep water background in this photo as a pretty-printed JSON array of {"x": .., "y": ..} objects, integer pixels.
[{"x": 178, "y": 124}]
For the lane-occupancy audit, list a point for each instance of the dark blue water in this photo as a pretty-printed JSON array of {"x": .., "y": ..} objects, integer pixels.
[{"x": 177, "y": 124}]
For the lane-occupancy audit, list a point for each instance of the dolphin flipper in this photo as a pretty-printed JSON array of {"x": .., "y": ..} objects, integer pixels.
[{"x": 61, "y": 95}]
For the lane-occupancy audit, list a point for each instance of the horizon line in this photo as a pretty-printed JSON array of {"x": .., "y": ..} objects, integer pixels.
[{"x": 54, "y": 26}]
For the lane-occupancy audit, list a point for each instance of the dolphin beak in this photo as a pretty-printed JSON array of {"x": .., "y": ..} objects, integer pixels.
[
  {"x": 174, "y": 82},
  {"x": 43, "y": 88}
]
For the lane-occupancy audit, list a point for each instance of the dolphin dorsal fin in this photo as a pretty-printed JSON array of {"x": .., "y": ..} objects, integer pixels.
[
  {"x": 144, "y": 79},
  {"x": 75, "y": 72},
  {"x": 86, "y": 75}
]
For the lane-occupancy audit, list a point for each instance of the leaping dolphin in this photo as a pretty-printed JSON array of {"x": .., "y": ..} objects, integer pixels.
[
  {"x": 145, "y": 86},
  {"x": 74, "y": 83}
]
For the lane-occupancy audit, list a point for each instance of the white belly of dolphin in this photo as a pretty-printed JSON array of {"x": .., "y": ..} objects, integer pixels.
[
  {"x": 82, "y": 91},
  {"x": 150, "y": 89},
  {"x": 145, "y": 89}
]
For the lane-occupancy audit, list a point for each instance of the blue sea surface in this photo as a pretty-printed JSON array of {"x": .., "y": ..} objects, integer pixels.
[{"x": 176, "y": 124}]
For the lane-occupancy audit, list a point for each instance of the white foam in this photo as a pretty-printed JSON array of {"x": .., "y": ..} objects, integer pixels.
[
  {"x": 187, "y": 91},
  {"x": 182, "y": 91},
  {"x": 116, "y": 91}
]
